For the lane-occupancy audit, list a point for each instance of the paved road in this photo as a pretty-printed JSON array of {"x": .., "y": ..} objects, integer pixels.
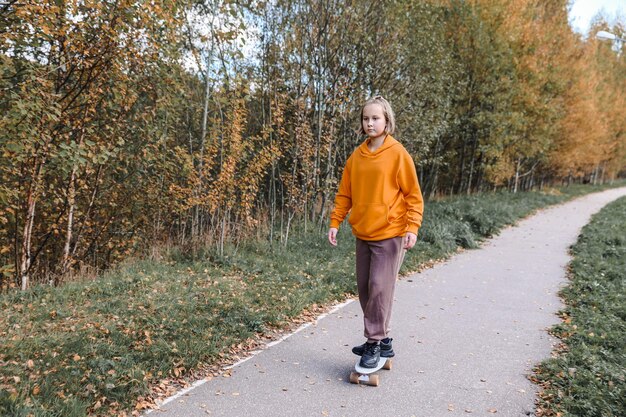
[{"x": 466, "y": 332}]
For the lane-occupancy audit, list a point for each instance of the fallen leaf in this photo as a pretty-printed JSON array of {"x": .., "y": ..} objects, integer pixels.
[{"x": 147, "y": 335}]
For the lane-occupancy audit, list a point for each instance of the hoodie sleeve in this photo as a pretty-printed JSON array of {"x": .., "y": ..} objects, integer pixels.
[
  {"x": 343, "y": 199},
  {"x": 409, "y": 185}
]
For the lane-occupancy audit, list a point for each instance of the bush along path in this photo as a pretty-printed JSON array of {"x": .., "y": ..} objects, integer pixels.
[
  {"x": 588, "y": 377},
  {"x": 467, "y": 335},
  {"x": 115, "y": 345}
]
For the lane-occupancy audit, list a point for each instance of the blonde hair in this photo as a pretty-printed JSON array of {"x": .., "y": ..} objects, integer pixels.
[{"x": 390, "y": 119}]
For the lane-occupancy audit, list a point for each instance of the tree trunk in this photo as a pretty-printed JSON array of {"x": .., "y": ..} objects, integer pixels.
[
  {"x": 459, "y": 184},
  {"x": 223, "y": 234},
  {"x": 195, "y": 224},
  {"x": 26, "y": 243},
  {"x": 272, "y": 188},
  {"x": 71, "y": 201},
  {"x": 326, "y": 190},
  {"x": 435, "y": 179},
  {"x": 31, "y": 204},
  {"x": 290, "y": 217},
  {"x": 318, "y": 142},
  {"x": 471, "y": 173},
  {"x": 90, "y": 206},
  {"x": 517, "y": 168},
  {"x": 602, "y": 173}
]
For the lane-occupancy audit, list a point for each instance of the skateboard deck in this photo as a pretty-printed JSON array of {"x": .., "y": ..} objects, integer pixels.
[{"x": 366, "y": 376}]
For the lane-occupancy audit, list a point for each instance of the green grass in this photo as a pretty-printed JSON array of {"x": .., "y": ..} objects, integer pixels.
[
  {"x": 100, "y": 347},
  {"x": 588, "y": 377}
]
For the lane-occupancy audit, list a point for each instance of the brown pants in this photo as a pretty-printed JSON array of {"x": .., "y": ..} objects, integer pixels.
[{"x": 377, "y": 266}]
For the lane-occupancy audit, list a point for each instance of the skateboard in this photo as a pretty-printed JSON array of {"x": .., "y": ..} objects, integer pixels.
[{"x": 366, "y": 376}]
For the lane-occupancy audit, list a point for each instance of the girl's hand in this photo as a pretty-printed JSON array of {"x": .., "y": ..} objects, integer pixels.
[
  {"x": 332, "y": 236},
  {"x": 409, "y": 240}
]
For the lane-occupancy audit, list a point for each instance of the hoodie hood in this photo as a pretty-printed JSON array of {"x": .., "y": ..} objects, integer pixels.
[{"x": 388, "y": 143}]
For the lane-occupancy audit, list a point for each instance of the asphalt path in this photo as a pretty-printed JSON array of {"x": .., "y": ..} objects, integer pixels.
[{"x": 467, "y": 334}]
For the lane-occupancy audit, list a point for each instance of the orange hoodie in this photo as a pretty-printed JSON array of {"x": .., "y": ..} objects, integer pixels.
[{"x": 381, "y": 192}]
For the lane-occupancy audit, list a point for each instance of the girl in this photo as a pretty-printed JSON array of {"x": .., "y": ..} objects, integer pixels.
[{"x": 379, "y": 188}]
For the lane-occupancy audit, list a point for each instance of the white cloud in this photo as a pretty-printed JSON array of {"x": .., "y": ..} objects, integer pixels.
[{"x": 582, "y": 12}]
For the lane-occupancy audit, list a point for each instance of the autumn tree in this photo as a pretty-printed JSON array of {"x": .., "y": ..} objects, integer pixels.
[{"x": 75, "y": 89}]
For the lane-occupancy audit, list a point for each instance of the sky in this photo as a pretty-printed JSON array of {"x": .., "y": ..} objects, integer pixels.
[{"x": 583, "y": 11}]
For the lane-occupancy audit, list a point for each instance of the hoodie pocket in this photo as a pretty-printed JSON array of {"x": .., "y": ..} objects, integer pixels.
[
  {"x": 397, "y": 210},
  {"x": 367, "y": 219}
]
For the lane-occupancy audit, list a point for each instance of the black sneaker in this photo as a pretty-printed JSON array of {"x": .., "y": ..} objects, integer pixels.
[
  {"x": 386, "y": 350},
  {"x": 371, "y": 355}
]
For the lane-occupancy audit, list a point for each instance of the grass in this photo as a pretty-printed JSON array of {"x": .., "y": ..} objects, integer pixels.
[
  {"x": 111, "y": 346},
  {"x": 588, "y": 376}
]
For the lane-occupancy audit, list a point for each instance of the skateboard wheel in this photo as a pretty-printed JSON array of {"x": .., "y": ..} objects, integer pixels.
[
  {"x": 388, "y": 365},
  {"x": 354, "y": 378},
  {"x": 374, "y": 381}
]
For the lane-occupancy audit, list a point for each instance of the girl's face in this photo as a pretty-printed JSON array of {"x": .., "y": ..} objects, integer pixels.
[{"x": 374, "y": 122}]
